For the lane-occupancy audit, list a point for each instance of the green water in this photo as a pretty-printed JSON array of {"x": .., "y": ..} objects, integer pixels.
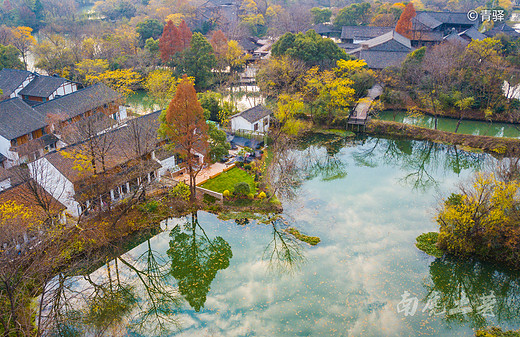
[
  {"x": 449, "y": 124},
  {"x": 140, "y": 103},
  {"x": 367, "y": 200}
]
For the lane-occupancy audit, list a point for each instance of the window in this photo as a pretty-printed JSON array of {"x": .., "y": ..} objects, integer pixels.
[
  {"x": 14, "y": 142},
  {"x": 30, "y": 136},
  {"x": 255, "y": 126}
]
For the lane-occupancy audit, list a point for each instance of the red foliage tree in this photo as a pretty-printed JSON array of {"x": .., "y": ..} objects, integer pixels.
[
  {"x": 404, "y": 25},
  {"x": 169, "y": 43},
  {"x": 185, "y": 126},
  {"x": 185, "y": 35},
  {"x": 219, "y": 43}
]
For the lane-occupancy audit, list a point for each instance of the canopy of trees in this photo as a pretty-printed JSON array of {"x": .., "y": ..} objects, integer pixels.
[{"x": 310, "y": 48}]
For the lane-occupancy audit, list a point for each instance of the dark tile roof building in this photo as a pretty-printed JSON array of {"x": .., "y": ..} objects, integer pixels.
[
  {"x": 357, "y": 34},
  {"x": 502, "y": 29},
  {"x": 12, "y": 81},
  {"x": 387, "y": 50},
  {"x": 79, "y": 102},
  {"x": 443, "y": 21},
  {"x": 17, "y": 119}
]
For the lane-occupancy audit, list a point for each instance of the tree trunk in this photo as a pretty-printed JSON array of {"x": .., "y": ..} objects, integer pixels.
[{"x": 458, "y": 124}]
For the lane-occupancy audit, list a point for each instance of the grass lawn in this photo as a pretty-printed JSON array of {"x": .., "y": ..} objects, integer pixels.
[{"x": 227, "y": 181}]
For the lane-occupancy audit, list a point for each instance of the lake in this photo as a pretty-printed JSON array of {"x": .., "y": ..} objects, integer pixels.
[
  {"x": 367, "y": 199},
  {"x": 449, "y": 124}
]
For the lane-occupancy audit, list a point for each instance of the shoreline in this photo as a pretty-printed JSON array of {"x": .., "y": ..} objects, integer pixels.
[{"x": 508, "y": 147}]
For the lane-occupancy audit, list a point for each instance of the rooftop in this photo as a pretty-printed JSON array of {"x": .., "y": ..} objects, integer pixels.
[
  {"x": 254, "y": 114},
  {"x": 43, "y": 86},
  {"x": 78, "y": 102},
  {"x": 10, "y": 79},
  {"x": 433, "y": 20},
  {"x": 17, "y": 118},
  {"x": 363, "y": 32}
]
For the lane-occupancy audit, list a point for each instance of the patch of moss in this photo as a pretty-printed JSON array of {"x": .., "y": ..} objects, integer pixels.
[
  {"x": 427, "y": 243},
  {"x": 496, "y": 332},
  {"x": 312, "y": 240}
]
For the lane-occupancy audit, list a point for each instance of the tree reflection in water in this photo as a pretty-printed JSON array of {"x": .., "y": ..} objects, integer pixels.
[
  {"x": 315, "y": 164},
  {"x": 196, "y": 259},
  {"x": 126, "y": 295},
  {"x": 452, "y": 280},
  {"x": 284, "y": 253},
  {"x": 420, "y": 159}
]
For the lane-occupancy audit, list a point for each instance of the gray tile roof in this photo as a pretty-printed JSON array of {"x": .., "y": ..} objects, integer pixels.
[
  {"x": 435, "y": 19},
  {"x": 502, "y": 29},
  {"x": 78, "y": 102},
  {"x": 10, "y": 79},
  {"x": 17, "y": 118},
  {"x": 254, "y": 114},
  {"x": 473, "y": 34},
  {"x": 382, "y": 59},
  {"x": 363, "y": 32},
  {"x": 43, "y": 86},
  {"x": 387, "y": 50},
  {"x": 324, "y": 28},
  {"x": 384, "y": 42}
]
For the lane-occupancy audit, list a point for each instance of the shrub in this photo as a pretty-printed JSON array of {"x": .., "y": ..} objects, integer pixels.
[
  {"x": 247, "y": 167},
  {"x": 262, "y": 195},
  {"x": 242, "y": 188},
  {"x": 180, "y": 191},
  {"x": 226, "y": 193},
  {"x": 209, "y": 199},
  {"x": 239, "y": 164},
  {"x": 150, "y": 206},
  {"x": 251, "y": 196}
]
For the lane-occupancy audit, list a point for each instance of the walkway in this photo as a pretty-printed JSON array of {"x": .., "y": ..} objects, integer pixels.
[
  {"x": 360, "y": 114},
  {"x": 205, "y": 174}
]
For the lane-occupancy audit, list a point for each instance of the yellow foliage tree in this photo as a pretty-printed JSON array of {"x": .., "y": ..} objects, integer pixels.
[
  {"x": 23, "y": 40},
  {"x": 161, "y": 84},
  {"x": 121, "y": 80}
]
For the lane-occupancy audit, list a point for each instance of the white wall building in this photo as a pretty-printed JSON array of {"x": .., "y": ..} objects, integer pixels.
[{"x": 256, "y": 119}]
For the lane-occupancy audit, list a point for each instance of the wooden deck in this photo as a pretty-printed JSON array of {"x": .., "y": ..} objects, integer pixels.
[{"x": 360, "y": 114}]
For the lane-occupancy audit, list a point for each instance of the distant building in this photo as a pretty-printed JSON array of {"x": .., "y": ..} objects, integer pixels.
[
  {"x": 442, "y": 22},
  {"x": 359, "y": 34},
  {"x": 327, "y": 30},
  {"x": 387, "y": 50},
  {"x": 502, "y": 29},
  {"x": 255, "y": 119}
]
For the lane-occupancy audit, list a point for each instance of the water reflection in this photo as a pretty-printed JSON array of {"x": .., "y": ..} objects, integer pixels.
[
  {"x": 284, "y": 253},
  {"x": 421, "y": 161},
  {"x": 196, "y": 259},
  {"x": 473, "y": 291},
  {"x": 126, "y": 295}
]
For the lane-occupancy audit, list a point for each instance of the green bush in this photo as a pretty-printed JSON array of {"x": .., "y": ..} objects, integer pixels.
[
  {"x": 209, "y": 199},
  {"x": 180, "y": 191},
  {"x": 427, "y": 242},
  {"x": 239, "y": 164},
  {"x": 242, "y": 189},
  {"x": 251, "y": 196},
  {"x": 150, "y": 206},
  {"x": 247, "y": 167}
]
